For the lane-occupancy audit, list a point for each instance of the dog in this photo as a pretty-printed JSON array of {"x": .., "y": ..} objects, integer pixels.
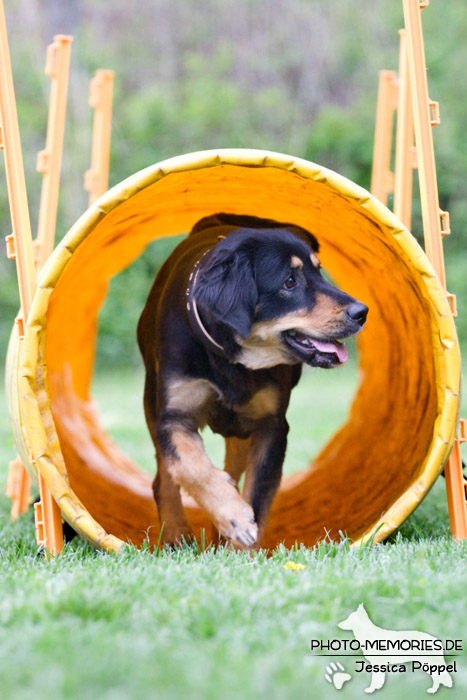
[
  {"x": 382, "y": 660},
  {"x": 233, "y": 314}
]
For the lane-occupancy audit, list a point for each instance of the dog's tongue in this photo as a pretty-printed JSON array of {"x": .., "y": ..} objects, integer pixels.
[{"x": 336, "y": 347}]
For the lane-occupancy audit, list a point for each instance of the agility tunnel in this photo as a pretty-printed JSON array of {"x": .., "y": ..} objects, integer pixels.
[{"x": 378, "y": 466}]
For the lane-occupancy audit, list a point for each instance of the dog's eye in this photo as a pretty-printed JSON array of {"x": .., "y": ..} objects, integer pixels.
[{"x": 290, "y": 282}]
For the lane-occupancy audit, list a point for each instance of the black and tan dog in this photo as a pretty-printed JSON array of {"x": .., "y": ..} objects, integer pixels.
[{"x": 234, "y": 312}]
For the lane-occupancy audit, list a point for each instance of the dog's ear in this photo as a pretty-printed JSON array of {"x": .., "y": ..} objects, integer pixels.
[
  {"x": 208, "y": 222},
  {"x": 242, "y": 221},
  {"x": 305, "y": 235},
  {"x": 226, "y": 288},
  {"x": 234, "y": 220}
]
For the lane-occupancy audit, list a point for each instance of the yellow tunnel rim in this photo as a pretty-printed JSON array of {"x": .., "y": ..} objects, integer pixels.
[{"x": 445, "y": 345}]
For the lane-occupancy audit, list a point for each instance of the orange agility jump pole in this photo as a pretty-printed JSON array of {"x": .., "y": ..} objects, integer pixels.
[
  {"x": 49, "y": 161},
  {"x": 417, "y": 114},
  {"x": 20, "y": 247},
  {"x": 382, "y": 179},
  {"x": 19, "y": 242},
  {"x": 435, "y": 225},
  {"x": 406, "y": 153},
  {"x": 96, "y": 179}
]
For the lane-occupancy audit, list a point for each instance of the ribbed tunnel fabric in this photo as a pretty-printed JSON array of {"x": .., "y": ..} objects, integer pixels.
[{"x": 378, "y": 466}]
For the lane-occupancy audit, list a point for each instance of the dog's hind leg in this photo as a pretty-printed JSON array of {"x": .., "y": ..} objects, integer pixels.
[
  {"x": 377, "y": 681},
  {"x": 236, "y": 456},
  {"x": 172, "y": 517},
  {"x": 175, "y": 528}
]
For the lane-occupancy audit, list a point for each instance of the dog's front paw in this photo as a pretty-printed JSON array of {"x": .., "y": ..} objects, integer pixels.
[
  {"x": 246, "y": 536},
  {"x": 239, "y": 527}
]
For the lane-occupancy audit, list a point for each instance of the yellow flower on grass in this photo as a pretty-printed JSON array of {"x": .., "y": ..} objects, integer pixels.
[{"x": 294, "y": 566}]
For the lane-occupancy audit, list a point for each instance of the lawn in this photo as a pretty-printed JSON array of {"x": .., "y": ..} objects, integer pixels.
[{"x": 214, "y": 624}]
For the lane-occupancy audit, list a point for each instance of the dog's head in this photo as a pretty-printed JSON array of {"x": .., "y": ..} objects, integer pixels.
[{"x": 262, "y": 283}]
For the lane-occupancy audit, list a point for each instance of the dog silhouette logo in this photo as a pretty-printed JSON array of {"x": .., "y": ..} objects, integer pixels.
[{"x": 387, "y": 650}]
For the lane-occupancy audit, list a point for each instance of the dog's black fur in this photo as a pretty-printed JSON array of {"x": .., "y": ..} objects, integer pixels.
[{"x": 263, "y": 303}]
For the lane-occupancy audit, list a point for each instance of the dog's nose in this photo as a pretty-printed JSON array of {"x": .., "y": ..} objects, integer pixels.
[{"x": 357, "y": 312}]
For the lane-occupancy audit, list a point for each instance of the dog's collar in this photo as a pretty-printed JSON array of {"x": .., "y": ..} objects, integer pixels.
[{"x": 193, "y": 313}]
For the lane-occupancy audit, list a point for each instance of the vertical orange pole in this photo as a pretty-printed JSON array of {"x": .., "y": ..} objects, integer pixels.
[
  {"x": 423, "y": 121},
  {"x": 20, "y": 247},
  {"x": 18, "y": 488},
  {"x": 381, "y": 175},
  {"x": 49, "y": 161},
  {"x": 456, "y": 486},
  {"x": 19, "y": 243},
  {"x": 405, "y": 150},
  {"x": 100, "y": 98},
  {"x": 48, "y": 520},
  {"x": 425, "y": 116}
]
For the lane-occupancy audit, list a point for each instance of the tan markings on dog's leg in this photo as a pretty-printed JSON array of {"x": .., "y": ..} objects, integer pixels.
[
  {"x": 185, "y": 394},
  {"x": 172, "y": 517},
  {"x": 212, "y": 488},
  {"x": 236, "y": 453},
  {"x": 296, "y": 262}
]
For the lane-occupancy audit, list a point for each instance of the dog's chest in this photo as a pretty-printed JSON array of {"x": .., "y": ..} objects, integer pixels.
[
  {"x": 235, "y": 414},
  {"x": 240, "y": 419}
]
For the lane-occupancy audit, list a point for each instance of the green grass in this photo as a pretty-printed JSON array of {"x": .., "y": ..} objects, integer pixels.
[{"x": 212, "y": 624}]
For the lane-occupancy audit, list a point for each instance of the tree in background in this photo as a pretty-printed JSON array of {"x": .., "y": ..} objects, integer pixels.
[{"x": 297, "y": 76}]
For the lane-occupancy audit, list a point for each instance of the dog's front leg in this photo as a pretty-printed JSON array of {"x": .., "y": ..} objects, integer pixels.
[
  {"x": 214, "y": 490},
  {"x": 264, "y": 467}
]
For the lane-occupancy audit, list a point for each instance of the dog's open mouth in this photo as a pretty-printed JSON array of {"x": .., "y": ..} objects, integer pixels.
[{"x": 315, "y": 352}]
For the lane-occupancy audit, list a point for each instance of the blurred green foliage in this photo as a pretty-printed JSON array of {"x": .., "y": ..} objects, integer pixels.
[
  {"x": 118, "y": 318},
  {"x": 296, "y": 76}
]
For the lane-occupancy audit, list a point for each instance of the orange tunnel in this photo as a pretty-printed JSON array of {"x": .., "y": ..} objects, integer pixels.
[{"x": 379, "y": 465}]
